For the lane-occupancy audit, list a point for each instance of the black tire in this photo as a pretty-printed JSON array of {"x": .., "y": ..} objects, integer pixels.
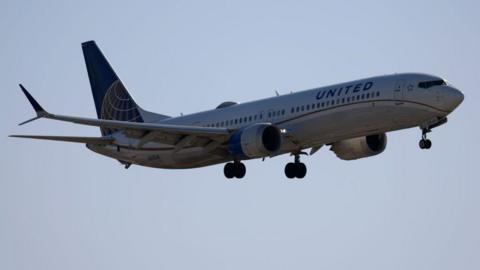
[
  {"x": 428, "y": 144},
  {"x": 290, "y": 170},
  {"x": 301, "y": 170},
  {"x": 228, "y": 170},
  {"x": 240, "y": 170},
  {"x": 422, "y": 144}
]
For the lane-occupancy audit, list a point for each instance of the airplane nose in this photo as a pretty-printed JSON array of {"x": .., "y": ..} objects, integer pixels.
[{"x": 452, "y": 98}]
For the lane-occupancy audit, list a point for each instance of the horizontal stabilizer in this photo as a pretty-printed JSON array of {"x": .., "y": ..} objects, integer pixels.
[{"x": 89, "y": 140}]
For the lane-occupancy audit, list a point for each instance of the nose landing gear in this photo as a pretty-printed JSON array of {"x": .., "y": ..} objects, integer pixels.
[
  {"x": 427, "y": 127},
  {"x": 425, "y": 143},
  {"x": 296, "y": 168},
  {"x": 234, "y": 169}
]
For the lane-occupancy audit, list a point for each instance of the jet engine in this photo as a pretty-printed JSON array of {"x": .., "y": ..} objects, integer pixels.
[
  {"x": 257, "y": 140},
  {"x": 360, "y": 147}
]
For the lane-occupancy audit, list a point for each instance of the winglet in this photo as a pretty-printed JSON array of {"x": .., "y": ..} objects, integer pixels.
[{"x": 36, "y": 106}]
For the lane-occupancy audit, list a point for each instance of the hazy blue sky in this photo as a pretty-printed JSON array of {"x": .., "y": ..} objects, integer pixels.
[{"x": 64, "y": 207}]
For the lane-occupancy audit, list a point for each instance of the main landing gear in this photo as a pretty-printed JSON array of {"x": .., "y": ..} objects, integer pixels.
[
  {"x": 234, "y": 169},
  {"x": 296, "y": 168},
  {"x": 425, "y": 143}
]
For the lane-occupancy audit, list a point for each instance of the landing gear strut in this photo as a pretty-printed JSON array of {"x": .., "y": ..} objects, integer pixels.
[
  {"x": 425, "y": 143},
  {"x": 125, "y": 164},
  {"x": 234, "y": 169},
  {"x": 296, "y": 168}
]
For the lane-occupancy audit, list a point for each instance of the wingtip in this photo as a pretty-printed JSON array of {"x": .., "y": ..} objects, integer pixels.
[
  {"x": 22, "y": 87},
  {"x": 36, "y": 106}
]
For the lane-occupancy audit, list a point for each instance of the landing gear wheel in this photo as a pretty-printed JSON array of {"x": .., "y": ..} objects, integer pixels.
[
  {"x": 421, "y": 144},
  {"x": 240, "y": 170},
  {"x": 290, "y": 170},
  {"x": 228, "y": 170},
  {"x": 296, "y": 169},
  {"x": 424, "y": 142},
  {"x": 234, "y": 169},
  {"x": 428, "y": 144},
  {"x": 301, "y": 170}
]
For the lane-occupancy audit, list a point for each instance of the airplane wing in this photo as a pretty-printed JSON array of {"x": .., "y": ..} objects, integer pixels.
[
  {"x": 163, "y": 133},
  {"x": 147, "y": 127},
  {"x": 89, "y": 140}
]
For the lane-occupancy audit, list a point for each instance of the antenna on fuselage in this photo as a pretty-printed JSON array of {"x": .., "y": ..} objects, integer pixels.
[{"x": 276, "y": 92}]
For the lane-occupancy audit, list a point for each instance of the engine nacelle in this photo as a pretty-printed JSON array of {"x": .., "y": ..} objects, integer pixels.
[
  {"x": 360, "y": 147},
  {"x": 257, "y": 140}
]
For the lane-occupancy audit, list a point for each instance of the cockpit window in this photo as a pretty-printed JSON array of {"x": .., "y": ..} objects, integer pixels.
[{"x": 431, "y": 83}]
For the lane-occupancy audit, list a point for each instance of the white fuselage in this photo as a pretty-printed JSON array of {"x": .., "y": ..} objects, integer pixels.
[{"x": 308, "y": 118}]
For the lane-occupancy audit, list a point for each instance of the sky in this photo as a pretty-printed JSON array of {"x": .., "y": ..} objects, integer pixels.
[{"x": 64, "y": 207}]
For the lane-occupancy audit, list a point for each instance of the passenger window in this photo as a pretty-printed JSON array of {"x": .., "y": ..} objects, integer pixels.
[
  {"x": 308, "y": 107},
  {"x": 250, "y": 118},
  {"x": 303, "y": 108}
]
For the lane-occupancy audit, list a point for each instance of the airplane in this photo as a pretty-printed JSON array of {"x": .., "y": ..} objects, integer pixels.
[{"x": 351, "y": 118}]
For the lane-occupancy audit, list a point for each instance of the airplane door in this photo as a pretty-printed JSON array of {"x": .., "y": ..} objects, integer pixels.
[
  {"x": 399, "y": 90},
  {"x": 270, "y": 115},
  {"x": 261, "y": 116}
]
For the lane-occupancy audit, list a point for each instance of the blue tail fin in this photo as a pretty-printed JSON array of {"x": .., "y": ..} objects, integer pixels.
[{"x": 112, "y": 100}]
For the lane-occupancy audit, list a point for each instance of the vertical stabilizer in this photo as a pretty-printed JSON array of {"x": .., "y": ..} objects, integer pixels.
[{"x": 112, "y": 99}]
